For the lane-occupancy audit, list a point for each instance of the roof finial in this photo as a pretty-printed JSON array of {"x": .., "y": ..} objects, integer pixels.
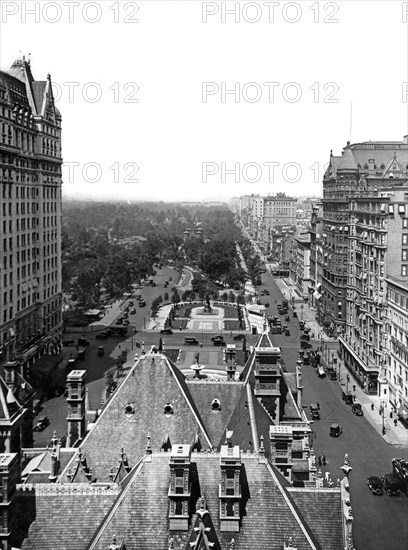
[{"x": 262, "y": 448}]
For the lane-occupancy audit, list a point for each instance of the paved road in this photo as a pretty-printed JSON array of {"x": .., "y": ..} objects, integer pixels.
[{"x": 380, "y": 523}]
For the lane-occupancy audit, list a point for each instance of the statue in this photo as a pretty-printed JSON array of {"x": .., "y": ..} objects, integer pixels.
[{"x": 207, "y": 306}]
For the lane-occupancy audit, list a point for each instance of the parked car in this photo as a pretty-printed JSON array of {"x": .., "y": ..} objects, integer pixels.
[
  {"x": 332, "y": 375},
  {"x": 218, "y": 337},
  {"x": 267, "y": 293},
  {"x": 142, "y": 303},
  {"x": 320, "y": 371},
  {"x": 101, "y": 351},
  {"x": 239, "y": 337},
  {"x": 190, "y": 341},
  {"x": 132, "y": 311},
  {"x": 375, "y": 485},
  {"x": 119, "y": 321},
  {"x": 356, "y": 409},
  {"x": 287, "y": 318},
  {"x": 166, "y": 331},
  {"x": 71, "y": 364},
  {"x": 41, "y": 424},
  {"x": 391, "y": 485},
  {"x": 130, "y": 302},
  {"x": 126, "y": 322},
  {"x": 347, "y": 398},
  {"x": 83, "y": 342}
]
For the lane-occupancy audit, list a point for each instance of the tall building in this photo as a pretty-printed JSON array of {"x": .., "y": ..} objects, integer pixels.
[
  {"x": 279, "y": 210},
  {"x": 359, "y": 171},
  {"x": 397, "y": 345},
  {"x": 316, "y": 257},
  {"x": 30, "y": 243}
]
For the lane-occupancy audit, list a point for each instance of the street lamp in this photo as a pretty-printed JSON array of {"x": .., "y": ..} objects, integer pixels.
[
  {"x": 382, "y": 413},
  {"x": 301, "y": 311}
]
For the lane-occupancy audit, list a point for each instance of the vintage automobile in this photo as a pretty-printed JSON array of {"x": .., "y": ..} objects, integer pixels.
[
  {"x": 375, "y": 485},
  {"x": 190, "y": 341},
  {"x": 314, "y": 411},
  {"x": 166, "y": 331},
  {"x": 101, "y": 351},
  {"x": 335, "y": 430},
  {"x": 102, "y": 335},
  {"x": 357, "y": 409},
  {"x": 320, "y": 371},
  {"x": 332, "y": 375},
  {"x": 304, "y": 344},
  {"x": 347, "y": 398},
  {"x": 391, "y": 485},
  {"x": 287, "y": 318},
  {"x": 41, "y": 424},
  {"x": 239, "y": 337}
]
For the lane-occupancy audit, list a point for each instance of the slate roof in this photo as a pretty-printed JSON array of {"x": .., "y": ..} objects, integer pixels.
[
  {"x": 307, "y": 501},
  {"x": 38, "y": 90},
  {"x": 152, "y": 384},
  {"x": 203, "y": 394},
  {"x": 66, "y": 517},
  {"x": 270, "y": 513}
]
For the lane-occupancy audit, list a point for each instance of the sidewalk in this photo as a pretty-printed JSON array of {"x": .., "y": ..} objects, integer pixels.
[
  {"x": 307, "y": 314},
  {"x": 394, "y": 435}
]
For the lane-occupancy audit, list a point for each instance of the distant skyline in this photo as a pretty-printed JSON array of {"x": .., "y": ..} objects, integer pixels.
[{"x": 308, "y": 78}]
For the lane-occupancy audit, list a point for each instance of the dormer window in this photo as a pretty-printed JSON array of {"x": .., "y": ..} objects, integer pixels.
[
  {"x": 129, "y": 409},
  {"x": 215, "y": 406},
  {"x": 168, "y": 410}
]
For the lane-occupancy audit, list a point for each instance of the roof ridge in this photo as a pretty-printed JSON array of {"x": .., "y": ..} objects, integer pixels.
[
  {"x": 103, "y": 525},
  {"x": 252, "y": 417}
]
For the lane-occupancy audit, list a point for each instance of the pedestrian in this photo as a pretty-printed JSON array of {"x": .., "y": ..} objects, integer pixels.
[
  {"x": 324, "y": 460},
  {"x": 354, "y": 387},
  {"x": 372, "y": 406},
  {"x": 319, "y": 460},
  {"x": 318, "y": 406},
  {"x": 395, "y": 422}
]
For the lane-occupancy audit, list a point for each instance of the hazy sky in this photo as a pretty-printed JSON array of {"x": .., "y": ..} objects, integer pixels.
[{"x": 143, "y": 90}]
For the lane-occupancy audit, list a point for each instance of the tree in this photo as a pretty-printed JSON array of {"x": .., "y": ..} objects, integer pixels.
[
  {"x": 175, "y": 297},
  {"x": 166, "y": 297}
]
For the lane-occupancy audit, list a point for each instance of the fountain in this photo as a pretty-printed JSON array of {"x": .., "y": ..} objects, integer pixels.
[{"x": 197, "y": 367}]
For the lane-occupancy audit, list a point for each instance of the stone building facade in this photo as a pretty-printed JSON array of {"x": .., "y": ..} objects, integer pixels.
[{"x": 30, "y": 226}]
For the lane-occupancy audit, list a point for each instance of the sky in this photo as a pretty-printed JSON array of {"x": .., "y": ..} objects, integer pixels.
[{"x": 190, "y": 100}]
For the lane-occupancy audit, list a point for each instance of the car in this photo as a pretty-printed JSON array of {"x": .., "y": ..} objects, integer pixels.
[
  {"x": 83, "y": 342},
  {"x": 335, "y": 430},
  {"x": 267, "y": 293},
  {"x": 305, "y": 345},
  {"x": 132, "y": 311},
  {"x": 71, "y": 364},
  {"x": 239, "y": 337},
  {"x": 215, "y": 338},
  {"x": 101, "y": 351},
  {"x": 142, "y": 303},
  {"x": 219, "y": 343},
  {"x": 314, "y": 411},
  {"x": 166, "y": 331},
  {"x": 130, "y": 302},
  {"x": 41, "y": 424},
  {"x": 190, "y": 341},
  {"x": 126, "y": 322},
  {"x": 119, "y": 321},
  {"x": 332, "y": 375},
  {"x": 375, "y": 485},
  {"x": 347, "y": 398},
  {"x": 125, "y": 315},
  {"x": 287, "y": 318},
  {"x": 356, "y": 409},
  {"x": 68, "y": 342},
  {"x": 391, "y": 485},
  {"x": 101, "y": 335}
]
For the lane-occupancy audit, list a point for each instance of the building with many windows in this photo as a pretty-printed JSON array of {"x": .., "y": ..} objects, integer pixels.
[
  {"x": 30, "y": 216},
  {"x": 397, "y": 345},
  {"x": 360, "y": 171},
  {"x": 279, "y": 210}
]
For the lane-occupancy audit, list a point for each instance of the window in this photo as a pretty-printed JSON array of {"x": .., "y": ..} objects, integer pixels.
[
  {"x": 404, "y": 270},
  {"x": 405, "y": 238},
  {"x": 404, "y": 256}
]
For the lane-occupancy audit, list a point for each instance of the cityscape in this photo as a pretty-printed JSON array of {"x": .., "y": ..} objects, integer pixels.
[{"x": 203, "y": 282}]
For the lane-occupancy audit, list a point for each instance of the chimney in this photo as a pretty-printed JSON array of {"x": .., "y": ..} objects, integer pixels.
[{"x": 54, "y": 468}]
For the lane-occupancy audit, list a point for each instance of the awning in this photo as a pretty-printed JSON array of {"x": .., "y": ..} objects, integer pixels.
[{"x": 317, "y": 295}]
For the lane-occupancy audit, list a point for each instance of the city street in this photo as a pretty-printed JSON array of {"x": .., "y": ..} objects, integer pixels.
[{"x": 379, "y": 522}]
